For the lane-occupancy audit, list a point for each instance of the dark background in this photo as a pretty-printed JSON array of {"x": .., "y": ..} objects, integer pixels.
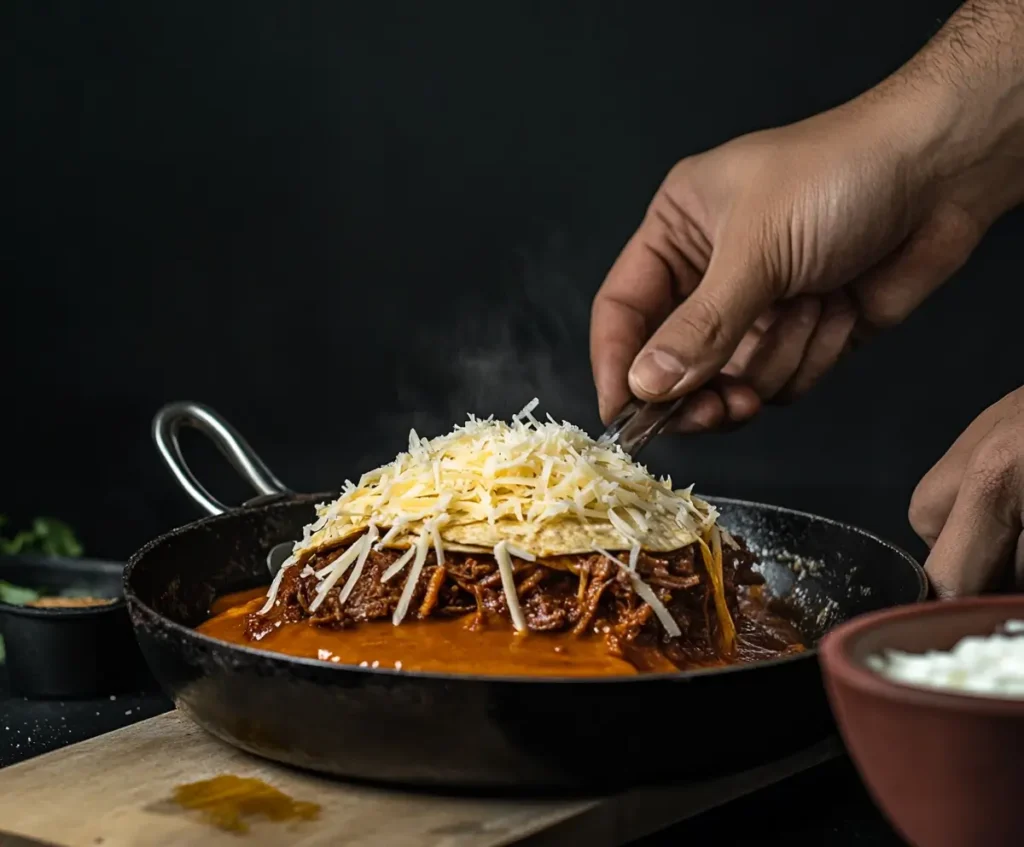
[{"x": 335, "y": 221}]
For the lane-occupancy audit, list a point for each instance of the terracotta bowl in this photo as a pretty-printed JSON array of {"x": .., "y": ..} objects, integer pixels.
[{"x": 946, "y": 769}]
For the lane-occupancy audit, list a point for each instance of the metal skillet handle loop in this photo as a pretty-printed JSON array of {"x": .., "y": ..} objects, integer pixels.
[
  {"x": 638, "y": 423},
  {"x": 167, "y": 425}
]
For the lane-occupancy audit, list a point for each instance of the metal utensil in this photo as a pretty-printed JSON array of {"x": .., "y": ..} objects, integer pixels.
[
  {"x": 278, "y": 553},
  {"x": 638, "y": 423}
]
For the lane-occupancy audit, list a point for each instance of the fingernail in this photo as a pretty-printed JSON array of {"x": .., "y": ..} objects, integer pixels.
[{"x": 656, "y": 372}]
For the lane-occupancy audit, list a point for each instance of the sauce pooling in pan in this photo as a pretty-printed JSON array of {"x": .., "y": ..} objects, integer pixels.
[
  {"x": 449, "y": 645},
  {"x": 515, "y": 549}
]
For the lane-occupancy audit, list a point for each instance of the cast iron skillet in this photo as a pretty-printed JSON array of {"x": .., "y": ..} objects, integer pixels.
[{"x": 457, "y": 731}]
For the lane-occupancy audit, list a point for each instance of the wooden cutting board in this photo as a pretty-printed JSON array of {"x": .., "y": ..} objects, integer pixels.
[{"x": 119, "y": 789}]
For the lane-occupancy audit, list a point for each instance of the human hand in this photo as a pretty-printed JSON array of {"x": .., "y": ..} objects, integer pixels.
[
  {"x": 969, "y": 508},
  {"x": 761, "y": 261}
]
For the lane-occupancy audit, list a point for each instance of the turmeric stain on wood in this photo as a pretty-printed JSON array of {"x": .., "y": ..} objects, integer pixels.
[{"x": 226, "y": 801}]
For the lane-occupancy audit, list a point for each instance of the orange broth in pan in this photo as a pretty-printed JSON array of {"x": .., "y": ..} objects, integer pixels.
[{"x": 447, "y": 645}]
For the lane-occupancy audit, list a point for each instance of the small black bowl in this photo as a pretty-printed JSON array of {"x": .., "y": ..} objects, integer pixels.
[{"x": 54, "y": 653}]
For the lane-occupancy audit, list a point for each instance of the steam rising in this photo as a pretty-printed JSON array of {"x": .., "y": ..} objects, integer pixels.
[{"x": 522, "y": 336}]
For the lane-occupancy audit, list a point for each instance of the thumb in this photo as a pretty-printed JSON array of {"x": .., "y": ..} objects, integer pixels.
[{"x": 698, "y": 338}]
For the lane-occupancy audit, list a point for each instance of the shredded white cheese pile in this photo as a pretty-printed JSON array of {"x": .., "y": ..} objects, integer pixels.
[
  {"x": 991, "y": 666},
  {"x": 526, "y": 489}
]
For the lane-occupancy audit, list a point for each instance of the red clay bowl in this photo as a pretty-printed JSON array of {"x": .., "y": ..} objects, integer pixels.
[{"x": 946, "y": 769}]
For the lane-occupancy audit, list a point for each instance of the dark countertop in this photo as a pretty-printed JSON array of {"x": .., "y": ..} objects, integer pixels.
[
  {"x": 32, "y": 727},
  {"x": 826, "y": 805}
]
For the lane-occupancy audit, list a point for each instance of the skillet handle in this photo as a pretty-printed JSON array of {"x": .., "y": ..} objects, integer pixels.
[{"x": 168, "y": 423}]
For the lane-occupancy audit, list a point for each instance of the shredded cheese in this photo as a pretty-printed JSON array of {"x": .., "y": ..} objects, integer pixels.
[
  {"x": 337, "y": 569},
  {"x": 519, "y": 478},
  {"x": 520, "y": 554},
  {"x": 275, "y": 584},
  {"x": 399, "y": 563},
  {"x": 357, "y": 571},
  {"x": 508, "y": 584},
  {"x": 728, "y": 540},
  {"x": 528, "y": 489},
  {"x": 647, "y": 594},
  {"x": 713, "y": 563},
  {"x": 422, "y": 548}
]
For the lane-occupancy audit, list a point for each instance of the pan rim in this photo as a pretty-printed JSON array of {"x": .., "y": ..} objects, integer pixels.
[{"x": 283, "y": 661}]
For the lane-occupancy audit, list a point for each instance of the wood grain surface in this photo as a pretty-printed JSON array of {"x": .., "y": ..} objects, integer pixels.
[{"x": 118, "y": 789}]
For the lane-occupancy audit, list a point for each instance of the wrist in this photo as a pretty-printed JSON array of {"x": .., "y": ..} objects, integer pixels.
[{"x": 956, "y": 110}]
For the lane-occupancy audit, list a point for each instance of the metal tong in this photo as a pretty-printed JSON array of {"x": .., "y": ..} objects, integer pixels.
[{"x": 638, "y": 423}]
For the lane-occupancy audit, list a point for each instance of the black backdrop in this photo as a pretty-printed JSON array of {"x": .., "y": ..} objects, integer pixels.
[{"x": 335, "y": 221}]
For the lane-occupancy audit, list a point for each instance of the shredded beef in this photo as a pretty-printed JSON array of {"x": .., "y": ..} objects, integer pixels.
[{"x": 583, "y": 593}]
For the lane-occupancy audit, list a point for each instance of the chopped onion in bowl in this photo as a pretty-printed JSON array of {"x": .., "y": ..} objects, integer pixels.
[{"x": 988, "y": 666}]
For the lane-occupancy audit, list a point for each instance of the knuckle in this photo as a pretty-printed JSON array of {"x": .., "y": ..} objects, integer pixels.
[
  {"x": 942, "y": 583},
  {"x": 995, "y": 464},
  {"x": 922, "y": 515},
  {"x": 883, "y": 307},
  {"x": 1014, "y": 418},
  {"x": 673, "y": 234},
  {"x": 612, "y": 316},
  {"x": 840, "y": 309},
  {"x": 954, "y": 236},
  {"x": 805, "y": 312},
  {"x": 702, "y": 319},
  {"x": 600, "y": 306},
  {"x": 677, "y": 173}
]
